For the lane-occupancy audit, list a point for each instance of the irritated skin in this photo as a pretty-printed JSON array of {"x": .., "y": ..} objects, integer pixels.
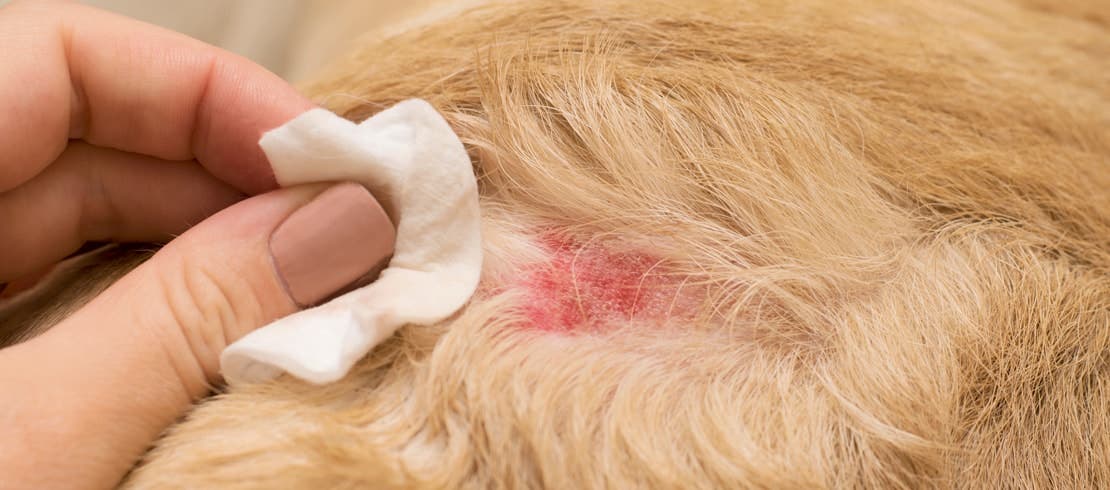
[
  {"x": 596, "y": 287},
  {"x": 891, "y": 220}
]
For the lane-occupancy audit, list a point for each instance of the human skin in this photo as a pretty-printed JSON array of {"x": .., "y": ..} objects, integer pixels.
[
  {"x": 896, "y": 212},
  {"x": 113, "y": 130}
]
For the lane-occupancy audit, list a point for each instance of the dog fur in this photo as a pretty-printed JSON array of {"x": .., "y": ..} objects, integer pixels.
[{"x": 886, "y": 226}]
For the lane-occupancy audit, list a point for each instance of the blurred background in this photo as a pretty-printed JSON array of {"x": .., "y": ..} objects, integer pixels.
[
  {"x": 257, "y": 29},
  {"x": 293, "y": 38}
]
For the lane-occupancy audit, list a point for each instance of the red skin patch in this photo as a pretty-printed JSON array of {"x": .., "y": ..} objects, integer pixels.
[{"x": 588, "y": 287}]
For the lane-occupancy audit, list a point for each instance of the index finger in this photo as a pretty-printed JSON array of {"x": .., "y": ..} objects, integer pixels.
[{"x": 72, "y": 71}]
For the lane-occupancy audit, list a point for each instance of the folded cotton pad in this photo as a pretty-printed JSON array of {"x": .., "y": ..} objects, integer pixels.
[{"x": 412, "y": 162}]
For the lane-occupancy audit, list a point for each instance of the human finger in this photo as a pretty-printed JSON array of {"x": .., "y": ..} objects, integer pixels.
[
  {"x": 99, "y": 194},
  {"x": 142, "y": 351},
  {"x": 71, "y": 71}
]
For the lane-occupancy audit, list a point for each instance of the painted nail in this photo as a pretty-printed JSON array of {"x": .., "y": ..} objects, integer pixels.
[{"x": 332, "y": 241}]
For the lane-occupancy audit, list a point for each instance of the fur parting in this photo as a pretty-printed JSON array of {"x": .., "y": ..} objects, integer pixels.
[{"x": 896, "y": 215}]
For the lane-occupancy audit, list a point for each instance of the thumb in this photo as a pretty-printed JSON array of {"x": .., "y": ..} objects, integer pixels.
[{"x": 244, "y": 267}]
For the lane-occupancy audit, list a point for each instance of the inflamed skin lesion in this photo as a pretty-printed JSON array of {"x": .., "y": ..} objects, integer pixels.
[{"x": 903, "y": 207}]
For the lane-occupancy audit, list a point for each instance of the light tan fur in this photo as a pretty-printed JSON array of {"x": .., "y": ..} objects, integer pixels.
[{"x": 895, "y": 215}]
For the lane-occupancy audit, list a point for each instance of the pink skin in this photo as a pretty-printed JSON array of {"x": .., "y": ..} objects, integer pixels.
[
  {"x": 588, "y": 287},
  {"x": 113, "y": 130}
]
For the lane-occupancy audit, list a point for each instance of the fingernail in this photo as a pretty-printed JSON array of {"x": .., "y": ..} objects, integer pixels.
[{"x": 332, "y": 241}]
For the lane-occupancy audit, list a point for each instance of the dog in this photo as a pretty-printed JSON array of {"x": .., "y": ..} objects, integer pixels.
[{"x": 730, "y": 244}]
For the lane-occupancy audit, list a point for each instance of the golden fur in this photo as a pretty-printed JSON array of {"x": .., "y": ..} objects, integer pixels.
[{"x": 895, "y": 216}]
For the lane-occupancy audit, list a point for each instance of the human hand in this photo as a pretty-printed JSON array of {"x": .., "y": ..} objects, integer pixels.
[{"x": 113, "y": 130}]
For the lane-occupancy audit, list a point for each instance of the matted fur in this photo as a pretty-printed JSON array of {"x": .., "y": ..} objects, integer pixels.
[{"x": 896, "y": 216}]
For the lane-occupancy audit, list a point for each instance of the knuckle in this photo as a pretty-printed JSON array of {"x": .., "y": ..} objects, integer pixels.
[{"x": 209, "y": 308}]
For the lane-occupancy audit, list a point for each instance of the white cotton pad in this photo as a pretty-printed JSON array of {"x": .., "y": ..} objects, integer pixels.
[{"x": 415, "y": 165}]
